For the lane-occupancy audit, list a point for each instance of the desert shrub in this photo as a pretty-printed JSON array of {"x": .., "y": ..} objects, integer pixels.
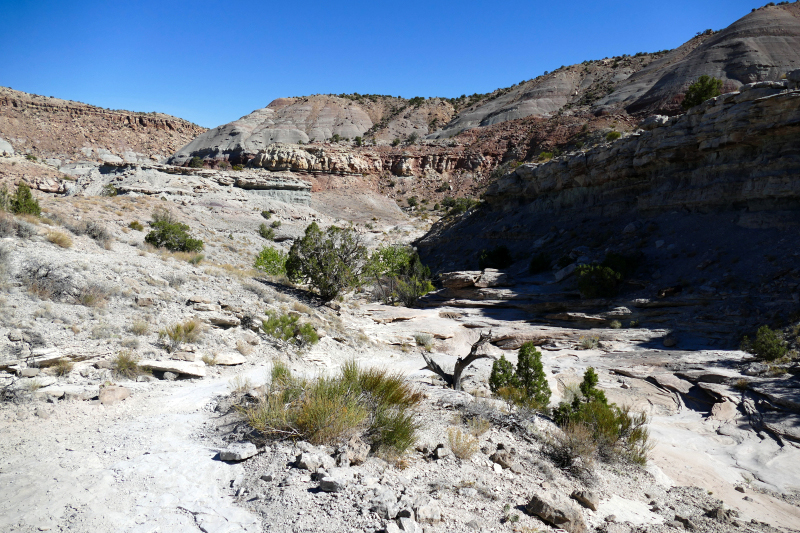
[
  {"x": 399, "y": 275},
  {"x": 539, "y": 263},
  {"x": 139, "y": 327},
  {"x": 527, "y": 386},
  {"x": 613, "y": 136},
  {"x": 275, "y": 224},
  {"x": 371, "y": 403},
  {"x": 463, "y": 444},
  {"x": 615, "y": 324},
  {"x": 195, "y": 162},
  {"x": 25, "y": 230},
  {"x": 597, "y": 281},
  {"x": 92, "y": 295},
  {"x": 173, "y": 336},
  {"x": 266, "y": 232},
  {"x": 330, "y": 261},
  {"x": 237, "y": 167},
  {"x": 136, "y": 225},
  {"x": 459, "y": 205},
  {"x": 288, "y": 329},
  {"x": 62, "y": 367},
  {"x": 573, "y": 449},
  {"x": 498, "y": 257},
  {"x": 266, "y": 214},
  {"x": 396, "y": 142},
  {"x": 59, "y": 238},
  {"x": 412, "y": 201},
  {"x": 47, "y": 281},
  {"x": 170, "y": 234},
  {"x": 588, "y": 343},
  {"x": 271, "y": 261},
  {"x": 614, "y": 431},
  {"x": 126, "y": 364},
  {"x": 30, "y": 157},
  {"x": 767, "y": 345},
  {"x": 704, "y": 88},
  {"x": 423, "y": 339},
  {"x": 545, "y": 156},
  {"x": 22, "y": 202},
  {"x": 93, "y": 230},
  {"x": 109, "y": 190}
]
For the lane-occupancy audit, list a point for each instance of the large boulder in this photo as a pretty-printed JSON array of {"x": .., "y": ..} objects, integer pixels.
[{"x": 557, "y": 511}]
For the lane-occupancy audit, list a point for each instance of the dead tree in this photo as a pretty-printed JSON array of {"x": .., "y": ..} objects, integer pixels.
[{"x": 454, "y": 380}]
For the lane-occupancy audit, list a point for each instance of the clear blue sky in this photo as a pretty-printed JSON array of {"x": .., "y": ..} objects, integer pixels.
[{"x": 212, "y": 62}]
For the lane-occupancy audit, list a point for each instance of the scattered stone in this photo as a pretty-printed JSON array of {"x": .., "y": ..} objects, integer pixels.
[
  {"x": 308, "y": 461},
  {"x": 332, "y": 484},
  {"x": 669, "y": 341},
  {"x": 354, "y": 452},
  {"x": 739, "y": 489},
  {"x": 587, "y": 498},
  {"x": 266, "y": 477},
  {"x": 427, "y": 509},
  {"x": 183, "y": 356},
  {"x": 687, "y": 523},
  {"x": 28, "y": 372},
  {"x": 222, "y": 320},
  {"x": 145, "y": 301},
  {"x": 408, "y": 525},
  {"x": 113, "y": 394},
  {"x": 229, "y": 359},
  {"x": 503, "y": 458},
  {"x": 42, "y": 413},
  {"x": 169, "y": 376},
  {"x": 556, "y": 510},
  {"x": 193, "y": 369},
  {"x": 238, "y": 451},
  {"x": 442, "y": 451}
]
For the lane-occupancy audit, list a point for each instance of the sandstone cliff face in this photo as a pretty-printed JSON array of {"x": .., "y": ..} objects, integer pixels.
[
  {"x": 738, "y": 151},
  {"x": 51, "y": 128}
]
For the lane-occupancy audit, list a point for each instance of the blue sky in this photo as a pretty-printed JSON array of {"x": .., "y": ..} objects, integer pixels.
[{"x": 212, "y": 62}]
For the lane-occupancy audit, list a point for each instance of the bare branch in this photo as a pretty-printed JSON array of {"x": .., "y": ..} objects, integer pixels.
[{"x": 454, "y": 380}]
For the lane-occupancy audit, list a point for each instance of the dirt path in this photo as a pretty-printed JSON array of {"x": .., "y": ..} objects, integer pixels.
[{"x": 134, "y": 466}]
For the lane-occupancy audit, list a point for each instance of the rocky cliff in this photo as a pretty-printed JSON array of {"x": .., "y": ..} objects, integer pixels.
[{"x": 67, "y": 131}]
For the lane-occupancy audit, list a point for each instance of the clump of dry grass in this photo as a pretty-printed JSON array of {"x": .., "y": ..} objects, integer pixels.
[
  {"x": 463, "y": 444},
  {"x": 139, "y": 327},
  {"x": 59, "y": 238},
  {"x": 62, "y": 367},
  {"x": 126, "y": 364},
  {"x": 239, "y": 383},
  {"x": 243, "y": 348},
  {"x": 173, "y": 336},
  {"x": 93, "y": 295}
]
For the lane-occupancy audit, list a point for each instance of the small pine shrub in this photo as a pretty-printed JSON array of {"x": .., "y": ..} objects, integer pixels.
[
  {"x": 271, "y": 261},
  {"x": 615, "y": 433},
  {"x": 275, "y": 224},
  {"x": 286, "y": 328},
  {"x": 23, "y": 202},
  {"x": 266, "y": 214},
  {"x": 170, "y": 234},
  {"x": 266, "y": 232},
  {"x": 498, "y": 257},
  {"x": 597, "y": 281},
  {"x": 768, "y": 344},
  {"x": 527, "y": 386},
  {"x": 704, "y": 88},
  {"x": 195, "y": 162}
]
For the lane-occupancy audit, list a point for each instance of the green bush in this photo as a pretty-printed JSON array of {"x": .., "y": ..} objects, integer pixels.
[
  {"x": 597, "y": 281},
  {"x": 195, "y": 162},
  {"x": 458, "y": 205},
  {"x": 768, "y": 344},
  {"x": 614, "y": 431},
  {"x": 527, "y": 386},
  {"x": 170, "y": 234},
  {"x": 22, "y": 202},
  {"x": 271, "y": 261},
  {"x": 399, "y": 275},
  {"x": 539, "y": 263},
  {"x": 109, "y": 190},
  {"x": 613, "y": 136},
  {"x": 266, "y": 232},
  {"x": 704, "y": 88},
  {"x": 330, "y": 261},
  {"x": 412, "y": 201},
  {"x": 358, "y": 140},
  {"x": 181, "y": 332},
  {"x": 237, "y": 167},
  {"x": 30, "y": 157},
  {"x": 136, "y": 225},
  {"x": 275, "y": 224},
  {"x": 288, "y": 329},
  {"x": 266, "y": 214},
  {"x": 498, "y": 257},
  {"x": 396, "y": 142}
]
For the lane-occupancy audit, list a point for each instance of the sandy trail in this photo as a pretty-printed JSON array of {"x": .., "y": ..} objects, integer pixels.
[{"x": 136, "y": 466}]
